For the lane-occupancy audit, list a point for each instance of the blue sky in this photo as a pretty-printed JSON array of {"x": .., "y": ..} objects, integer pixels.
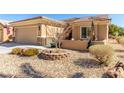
[{"x": 117, "y": 19}]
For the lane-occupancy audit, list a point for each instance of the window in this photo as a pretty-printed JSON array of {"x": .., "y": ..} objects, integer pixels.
[{"x": 85, "y": 32}]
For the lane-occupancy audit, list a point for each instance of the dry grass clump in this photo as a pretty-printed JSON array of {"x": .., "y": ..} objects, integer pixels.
[
  {"x": 103, "y": 53},
  {"x": 25, "y": 52}
]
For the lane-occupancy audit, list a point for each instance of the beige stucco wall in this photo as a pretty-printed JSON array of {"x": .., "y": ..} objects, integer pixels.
[
  {"x": 47, "y": 29},
  {"x": 76, "y": 32},
  {"x": 3, "y": 33},
  {"x": 47, "y": 32},
  {"x": 74, "y": 44},
  {"x": 76, "y": 29},
  {"x": 50, "y": 32},
  {"x": 102, "y": 32}
]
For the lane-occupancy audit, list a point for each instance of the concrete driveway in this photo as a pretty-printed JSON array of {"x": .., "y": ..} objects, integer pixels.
[{"x": 7, "y": 47}]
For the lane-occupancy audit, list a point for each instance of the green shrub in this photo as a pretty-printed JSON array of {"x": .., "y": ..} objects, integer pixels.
[
  {"x": 30, "y": 52},
  {"x": 17, "y": 51},
  {"x": 103, "y": 53}
]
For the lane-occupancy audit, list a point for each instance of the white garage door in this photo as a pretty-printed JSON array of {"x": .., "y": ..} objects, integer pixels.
[{"x": 26, "y": 35}]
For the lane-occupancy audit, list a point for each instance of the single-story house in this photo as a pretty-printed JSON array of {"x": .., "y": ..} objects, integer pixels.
[
  {"x": 86, "y": 30},
  {"x": 38, "y": 30},
  {"x": 75, "y": 33},
  {"x": 5, "y": 31}
]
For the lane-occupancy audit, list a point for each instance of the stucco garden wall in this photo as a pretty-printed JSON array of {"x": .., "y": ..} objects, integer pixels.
[{"x": 74, "y": 44}]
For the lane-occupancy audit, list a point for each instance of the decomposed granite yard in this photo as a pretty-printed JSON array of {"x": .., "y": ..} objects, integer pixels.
[{"x": 79, "y": 64}]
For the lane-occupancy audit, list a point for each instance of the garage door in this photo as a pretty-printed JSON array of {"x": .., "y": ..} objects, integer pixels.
[{"x": 26, "y": 35}]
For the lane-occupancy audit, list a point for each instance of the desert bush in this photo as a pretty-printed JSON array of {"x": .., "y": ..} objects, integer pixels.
[
  {"x": 10, "y": 37},
  {"x": 120, "y": 39},
  {"x": 17, "y": 51},
  {"x": 103, "y": 53},
  {"x": 30, "y": 52}
]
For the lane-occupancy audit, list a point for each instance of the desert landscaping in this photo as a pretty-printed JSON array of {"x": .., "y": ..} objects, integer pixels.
[{"x": 77, "y": 64}]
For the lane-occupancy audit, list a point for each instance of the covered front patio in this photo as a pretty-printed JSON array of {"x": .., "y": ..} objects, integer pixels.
[{"x": 80, "y": 33}]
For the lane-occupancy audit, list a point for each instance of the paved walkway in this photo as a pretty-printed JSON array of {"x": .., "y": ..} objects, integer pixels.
[{"x": 7, "y": 47}]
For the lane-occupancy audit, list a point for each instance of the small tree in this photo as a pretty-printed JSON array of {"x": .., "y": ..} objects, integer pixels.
[{"x": 56, "y": 39}]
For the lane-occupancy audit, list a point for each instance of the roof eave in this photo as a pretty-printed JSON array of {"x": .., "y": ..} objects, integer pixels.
[{"x": 40, "y": 17}]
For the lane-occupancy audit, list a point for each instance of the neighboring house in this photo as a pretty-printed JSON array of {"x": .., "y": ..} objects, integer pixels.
[
  {"x": 76, "y": 33},
  {"x": 81, "y": 31},
  {"x": 5, "y": 31},
  {"x": 39, "y": 30}
]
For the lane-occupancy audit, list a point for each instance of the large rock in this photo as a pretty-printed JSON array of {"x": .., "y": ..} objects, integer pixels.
[{"x": 117, "y": 71}]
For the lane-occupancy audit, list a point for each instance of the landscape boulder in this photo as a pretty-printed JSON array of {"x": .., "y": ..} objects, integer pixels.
[{"x": 117, "y": 71}]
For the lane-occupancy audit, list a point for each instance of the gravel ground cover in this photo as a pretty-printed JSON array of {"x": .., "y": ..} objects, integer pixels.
[{"x": 77, "y": 64}]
